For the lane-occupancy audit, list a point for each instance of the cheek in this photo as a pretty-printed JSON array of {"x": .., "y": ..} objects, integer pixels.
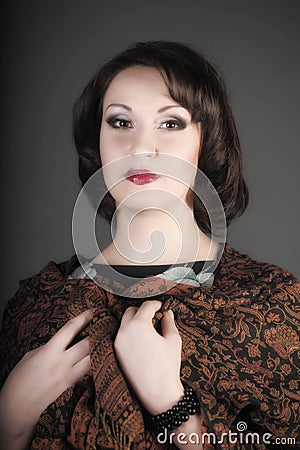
[
  {"x": 195, "y": 149},
  {"x": 111, "y": 146},
  {"x": 183, "y": 144},
  {"x": 189, "y": 150}
]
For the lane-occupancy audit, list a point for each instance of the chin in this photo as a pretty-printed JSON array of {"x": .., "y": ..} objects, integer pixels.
[
  {"x": 138, "y": 201},
  {"x": 159, "y": 199}
]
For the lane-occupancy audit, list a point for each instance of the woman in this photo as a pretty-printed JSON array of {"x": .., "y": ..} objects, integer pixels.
[{"x": 152, "y": 317}]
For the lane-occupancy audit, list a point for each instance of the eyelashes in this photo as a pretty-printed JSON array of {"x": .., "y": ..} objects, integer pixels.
[
  {"x": 176, "y": 124},
  {"x": 123, "y": 124},
  {"x": 115, "y": 122}
]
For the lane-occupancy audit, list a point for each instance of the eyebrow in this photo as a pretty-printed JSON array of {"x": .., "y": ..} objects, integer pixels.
[
  {"x": 119, "y": 104},
  {"x": 164, "y": 108}
]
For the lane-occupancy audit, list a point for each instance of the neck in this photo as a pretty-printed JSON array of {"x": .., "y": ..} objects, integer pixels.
[{"x": 155, "y": 236}]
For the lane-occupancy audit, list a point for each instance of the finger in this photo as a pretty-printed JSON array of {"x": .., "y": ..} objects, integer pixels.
[
  {"x": 78, "y": 351},
  {"x": 80, "y": 369},
  {"x": 68, "y": 332},
  {"x": 148, "y": 309},
  {"x": 168, "y": 326},
  {"x": 128, "y": 314}
]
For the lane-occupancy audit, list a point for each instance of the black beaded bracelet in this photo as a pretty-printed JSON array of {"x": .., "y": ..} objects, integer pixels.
[{"x": 175, "y": 416}]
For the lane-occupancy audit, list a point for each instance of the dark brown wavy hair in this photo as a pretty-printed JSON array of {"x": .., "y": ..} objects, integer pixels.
[{"x": 196, "y": 85}]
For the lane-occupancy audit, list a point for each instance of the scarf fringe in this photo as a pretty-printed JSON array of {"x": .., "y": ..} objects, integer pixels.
[{"x": 114, "y": 433}]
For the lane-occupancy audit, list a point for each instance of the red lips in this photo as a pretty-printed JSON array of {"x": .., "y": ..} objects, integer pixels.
[{"x": 140, "y": 176}]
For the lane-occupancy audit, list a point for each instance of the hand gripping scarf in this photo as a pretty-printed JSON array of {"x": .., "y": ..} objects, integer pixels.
[{"x": 240, "y": 354}]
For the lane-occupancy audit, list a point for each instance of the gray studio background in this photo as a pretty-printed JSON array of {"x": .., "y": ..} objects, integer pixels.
[{"x": 51, "y": 49}]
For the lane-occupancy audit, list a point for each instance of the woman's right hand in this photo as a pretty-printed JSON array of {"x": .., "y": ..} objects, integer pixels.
[{"x": 40, "y": 377}]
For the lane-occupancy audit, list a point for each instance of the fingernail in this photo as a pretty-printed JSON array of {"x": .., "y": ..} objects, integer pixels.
[{"x": 171, "y": 313}]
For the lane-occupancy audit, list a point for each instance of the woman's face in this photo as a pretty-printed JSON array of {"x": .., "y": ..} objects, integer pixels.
[{"x": 147, "y": 140}]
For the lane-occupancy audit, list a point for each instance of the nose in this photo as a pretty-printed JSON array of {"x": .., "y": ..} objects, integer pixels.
[{"x": 143, "y": 144}]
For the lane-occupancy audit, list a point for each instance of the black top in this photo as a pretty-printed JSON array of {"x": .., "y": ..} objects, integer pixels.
[{"x": 145, "y": 271}]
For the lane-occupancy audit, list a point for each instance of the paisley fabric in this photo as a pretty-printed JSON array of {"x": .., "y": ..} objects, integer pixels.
[{"x": 240, "y": 354}]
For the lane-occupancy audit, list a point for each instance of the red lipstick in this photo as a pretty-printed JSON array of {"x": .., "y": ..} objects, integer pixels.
[{"x": 141, "y": 176}]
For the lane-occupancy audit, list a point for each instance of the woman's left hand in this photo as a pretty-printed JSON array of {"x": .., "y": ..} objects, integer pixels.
[{"x": 150, "y": 361}]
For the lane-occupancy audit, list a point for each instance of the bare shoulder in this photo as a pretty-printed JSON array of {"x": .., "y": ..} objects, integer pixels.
[
  {"x": 109, "y": 256},
  {"x": 99, "y": 259}
]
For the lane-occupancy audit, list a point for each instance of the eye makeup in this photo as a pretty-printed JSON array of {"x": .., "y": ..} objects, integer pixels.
[
  {"x": 175, "y": 123},
  {"x": 112, "y": 121}
]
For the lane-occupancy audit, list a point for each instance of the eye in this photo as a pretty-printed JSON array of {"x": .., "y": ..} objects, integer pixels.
[
  {"x": 173, "y": 124},
  {"x": 115, "y": 122}
]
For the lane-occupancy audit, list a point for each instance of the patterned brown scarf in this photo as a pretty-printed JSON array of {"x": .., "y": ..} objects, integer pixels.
[{"x": 240, "y": 353}]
